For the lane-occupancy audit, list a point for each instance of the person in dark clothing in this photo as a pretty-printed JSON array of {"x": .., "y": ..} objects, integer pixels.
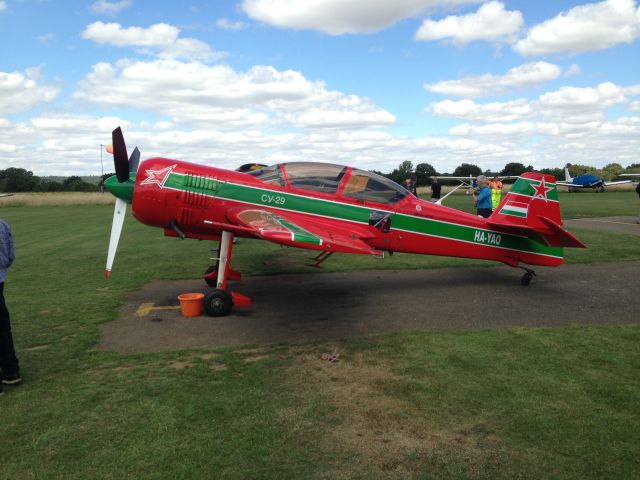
[
  {"x": 9, "y": 364},
  {"x": 638, "y": 192},
  {"x": 435, "y": 189}
]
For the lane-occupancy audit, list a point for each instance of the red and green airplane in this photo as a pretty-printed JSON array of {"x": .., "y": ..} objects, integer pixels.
[{"x": 328, "y": 208}]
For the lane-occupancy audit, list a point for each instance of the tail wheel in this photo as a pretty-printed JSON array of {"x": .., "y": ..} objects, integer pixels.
[
  {"x": 526, "y": 279},
  {"x": 218, "y": 303}
]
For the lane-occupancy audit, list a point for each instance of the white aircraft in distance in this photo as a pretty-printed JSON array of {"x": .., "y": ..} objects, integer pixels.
[
  {"x": 467, "y": 182},
  {"x": 586, "y": 181}
]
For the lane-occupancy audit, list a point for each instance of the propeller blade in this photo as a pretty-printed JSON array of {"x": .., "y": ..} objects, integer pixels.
[
  {"x": 116, "y": 229},
  {"x": 134, "y": 159},
  {"x": 120, "y": 157}
]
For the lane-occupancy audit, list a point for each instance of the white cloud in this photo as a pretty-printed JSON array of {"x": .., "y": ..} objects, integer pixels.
[
  {"x": 194, "y": 93},
  {"x": 573, "y": 70},
  {"x": 20, "y": 92},
  {"x": 337, "y": 17},
  {"x": 46, "y": 38},
  {"x": 69, "y": 145},
  {"x": 526, "y": 75},
  {"x": 567, "y": 105},
  {"x": 3, "y": 5},
  {"x": 491, "y": 23},
  {"x": 488, "y": 112},
  {"x": 109, "y": 8},
  {"x": 600, "y": 97},
  {"x": 226, "y": 24},
  {"x": 570, "y": 124},
  {"x": 634, "y": 106},
  {"x": 161, "y": 38},
  {"x": 585, "y": 28}
]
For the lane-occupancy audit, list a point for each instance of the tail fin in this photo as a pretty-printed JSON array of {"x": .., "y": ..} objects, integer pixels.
[
  {"x": 567, "y": 175},
  {"x": 531, "y": 208}
]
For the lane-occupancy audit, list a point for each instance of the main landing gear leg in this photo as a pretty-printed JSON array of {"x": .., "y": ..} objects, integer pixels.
[
  {"x": 527, "y": 277},
  {"x": 218, "y": 302}
]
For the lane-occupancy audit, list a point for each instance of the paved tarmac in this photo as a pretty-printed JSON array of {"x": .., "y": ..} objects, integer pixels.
[
  {"x": 627, "y": 224},
  {"x": 309, "y": 307}
]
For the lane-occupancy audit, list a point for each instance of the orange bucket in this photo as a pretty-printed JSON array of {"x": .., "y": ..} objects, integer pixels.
[{"x": 191, "y": 304}]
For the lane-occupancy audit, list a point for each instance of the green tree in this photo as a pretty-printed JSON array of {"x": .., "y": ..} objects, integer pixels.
[
  {"x": 466, "y": 169},
  {"x": 404, "y": 171},
  {"x": 424, "y": 172},
  {"x": 611, "y": 171},
  {"x": 556, "y": 172},
  {"x": 576, "y": 170},
  {"x": 76, "y": 184},
  {"x": 18, "y": 180},
  {"x": 515, "y": 169}
]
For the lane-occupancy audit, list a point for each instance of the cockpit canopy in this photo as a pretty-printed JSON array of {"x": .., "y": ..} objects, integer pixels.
[{"x": 333, "y": 179}]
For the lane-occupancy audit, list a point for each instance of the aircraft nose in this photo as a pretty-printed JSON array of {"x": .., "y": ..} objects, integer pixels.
[{"x": 122, "y": 190}]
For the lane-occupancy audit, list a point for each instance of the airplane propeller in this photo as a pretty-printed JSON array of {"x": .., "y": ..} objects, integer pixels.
[{"x": 122, "y": 189}]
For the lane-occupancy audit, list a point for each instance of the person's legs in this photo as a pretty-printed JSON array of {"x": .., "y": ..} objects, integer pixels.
[{"x": 8, "y": 360}]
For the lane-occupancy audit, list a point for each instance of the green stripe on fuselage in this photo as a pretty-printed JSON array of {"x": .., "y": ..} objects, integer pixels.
[
  {"x": 465, "y": 233},
  {"x": 354, "y": 213}
]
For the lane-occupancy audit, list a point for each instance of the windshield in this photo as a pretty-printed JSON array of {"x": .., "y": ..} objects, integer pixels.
[
  {"x": 272, "y": 175},
  {"x": 373, "y": 187},
  {"x": 320, "y": 177}
]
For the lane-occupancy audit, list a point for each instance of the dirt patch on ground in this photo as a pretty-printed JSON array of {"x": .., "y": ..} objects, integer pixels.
[
  {"x": 375, "y": 432},
  {"x": 312, "y": 307}
]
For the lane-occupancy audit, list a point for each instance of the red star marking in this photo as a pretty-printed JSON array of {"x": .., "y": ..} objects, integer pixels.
[
  {"x": 541, "y": 190},
  {"x": 157, "y": 176}
]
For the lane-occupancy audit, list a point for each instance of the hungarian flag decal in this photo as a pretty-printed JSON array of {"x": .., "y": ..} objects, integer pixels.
[{"x": 516, "y": 209}]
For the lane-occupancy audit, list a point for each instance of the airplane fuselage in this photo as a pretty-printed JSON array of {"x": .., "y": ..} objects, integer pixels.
[{"x": 195, "y": 200}]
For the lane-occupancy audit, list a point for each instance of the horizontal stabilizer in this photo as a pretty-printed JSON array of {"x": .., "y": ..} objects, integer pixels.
[{"x": 566, "y": 239}]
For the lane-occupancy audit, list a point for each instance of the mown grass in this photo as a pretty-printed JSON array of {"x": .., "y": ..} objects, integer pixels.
[{"x": 494, "y": 404}]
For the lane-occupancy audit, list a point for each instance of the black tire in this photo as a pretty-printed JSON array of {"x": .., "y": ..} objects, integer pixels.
[
  {"x": 218, "y": 303},
  {"x": 212, "y": 282},
  {"x": 526, "y": 279}
]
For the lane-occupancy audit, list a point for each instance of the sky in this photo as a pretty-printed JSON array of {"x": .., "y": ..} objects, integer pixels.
[{"x": 367, "y": 83}]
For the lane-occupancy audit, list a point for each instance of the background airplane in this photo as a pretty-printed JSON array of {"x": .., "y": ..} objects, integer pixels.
[
  {"x": 327, "y": 208},
  {"x": 465, "y": 182},
  {"x": 586, "y": 181}
]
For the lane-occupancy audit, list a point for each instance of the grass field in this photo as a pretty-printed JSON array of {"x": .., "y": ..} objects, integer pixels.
[{"x": 527, "y": 403}]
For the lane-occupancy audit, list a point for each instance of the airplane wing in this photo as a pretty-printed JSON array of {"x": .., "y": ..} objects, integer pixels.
[
  {"x": 619, "y": 182},
  {"x": 503, "y": 177},
  {"x": 299, "y": 232},
  {"x": 569, "y": 184},
  {"x": 630, "y": 174}
]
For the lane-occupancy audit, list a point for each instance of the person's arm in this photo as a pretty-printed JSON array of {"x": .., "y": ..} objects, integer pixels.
[{"x": 11, "y": 252}]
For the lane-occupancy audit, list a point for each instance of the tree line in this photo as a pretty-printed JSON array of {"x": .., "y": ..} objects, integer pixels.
[
  {"x": 424, "y": 172},
  {"x": 20, "y": 180},
  {"x": 14, "y": 180}
]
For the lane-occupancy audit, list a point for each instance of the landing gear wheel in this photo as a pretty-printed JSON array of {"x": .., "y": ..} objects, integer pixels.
[
  {"x": 218, "y": 303},
  {"x": 212, "y": 282},
  {"x": 526, "y": 278}
]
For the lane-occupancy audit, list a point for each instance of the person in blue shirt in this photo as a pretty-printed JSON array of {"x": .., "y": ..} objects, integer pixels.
[
  {"x": 483, "y": 198},
  {"x": 8, "y": 361}
]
